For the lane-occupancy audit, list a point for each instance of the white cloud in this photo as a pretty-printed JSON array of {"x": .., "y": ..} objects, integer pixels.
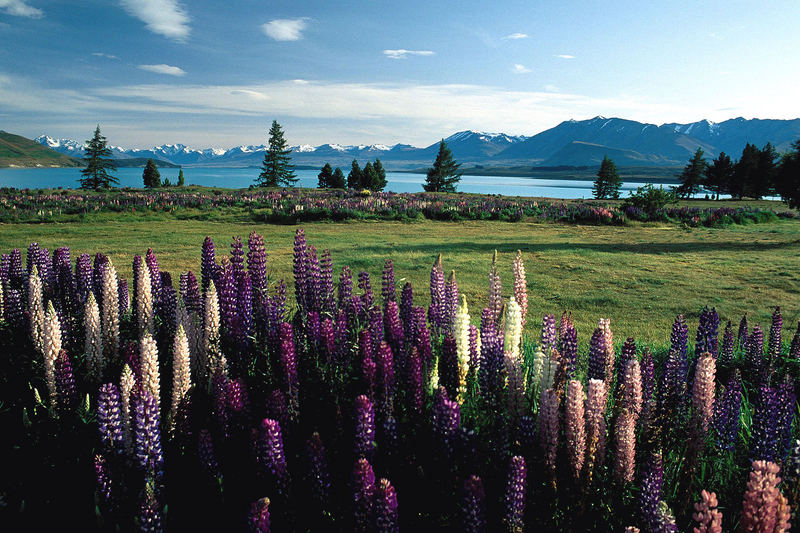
[
  {"x": 285, "y": 29},
  {"x": 402, "y": 53},
  {"x": 164, "y": 69},
  {"x": 301, "y": 82},
  {"x": 252, "y": 94},
  {"x": 520, "y": 69},
  {"x": 515, "y": 36},
  {"x": 552, "y": 88},
  {"x": 565, "y": 56},
  {"x": 164, "y": 17},
  {"x": 107, "y": 56},
  {"x": 20, "y": 9}
]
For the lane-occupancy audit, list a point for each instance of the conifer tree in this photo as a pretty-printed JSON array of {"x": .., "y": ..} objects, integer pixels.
[
  {"x": 719, "y": 174},
  {"x": 151, "y": 176},
  {"x": 368, "y": 177},
  {"x": 380, "y": 176},
  {"x": 788, "y": 181},
  {"x": 337, "y": 180},
  {"x": 98, "y": 163},
  {"x": 692, "y": 176},
  {"x": 276, "y": 171},
  {"x": 443, "y": 175},
  {"x": 608, "y": 181},
  {"x": 745, "y": 172},
  {"x": 355, "y": 177},
  {"x": 181, "y": 182},
  {"x": 325, "y": 176}
]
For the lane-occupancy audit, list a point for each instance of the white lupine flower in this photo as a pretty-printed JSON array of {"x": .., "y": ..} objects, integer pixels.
[
  {"x": 538, "y": 365},
  {"x": 181, "y": 373},
  {"x": 520, "y": 285},
  {"x": 151, "y": 380},
  {"x": 513, "y": 333},
  {"x": 127, "y": 382},
  {"x": 93, "y": 345},
  {"x": 211, "y": 350},
  {"x": 36, "y": 309},
  {"x": 110, "y": 311},
  {"x": 549, "y": 369},
  {"x": 462, "y": 347},
  {"x": 144, "y": 301},
  {"x": 52, "y": 347}
]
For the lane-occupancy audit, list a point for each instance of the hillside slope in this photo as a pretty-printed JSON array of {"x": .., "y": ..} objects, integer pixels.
[{"x": 17, "y": 151}]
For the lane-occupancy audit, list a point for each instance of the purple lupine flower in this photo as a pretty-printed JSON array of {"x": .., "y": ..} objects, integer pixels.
[
  {"x": 148, "y": 516},
  {"x": 227, "y": 289},
  {"x": 597, "y": 355},
  {"x": 205, "y": 451},
  {"x": 775, "y": 345},
  {"x": 14, "y": 311},
  {"x": 473, "y": 506},
  {"x": 794, "y": 349},
  {"x": 65, "y": 383},
  {"x": 515, "y": 495},
  {"x": 5, "y": 264},
  {"x": 679, "y": 336},
  {"x": 744, "y": 334},
  {"x": 45, "y": 266},
  {"x": 16, "y": 274},
  {"x": 237, "y": 257},
  {"x": 568, "y": 347},
  {"x": 407, "y": 309},
  {"x": 155, "y": 275},
  {"x": 650, "y": 496},
  {"x": 258, "y": 518},
  {"x": 395, "y": 335},
  {"x": 192, "y": 298},
  {"x": 376, "y": 326},
  {"x": 755, "y": 350},
  {"x": 388, "y": 293},
  {"x": 448, "y": 365},
  {"x": 437, "y": 288},
  {"x": 726, "y": 352},
  {"x": 130, "y": 356},
  {"x": 32, "y": 257},
  {"x": 313, "y": 328},
  {"x": 365, "y": 427},
  {"x": 414, "y": 391},
  {"x": 422, "y": 336},
  {"x": 548, "y": 333},
  {"x": 291, "y": 382},
  {"x": 278, "y": 408},
  {"x": 318, "y": 475},
  {"x": 490, "y": 373},
  {"x": 168, "y": 307},
  {"x": 148, "y": 435},
  {"x": 236, "y": 396},
  {"x": 386, "y": 508},
  {"x": 726, "y": 413},
  {"x": 326, "y": 295},
  {"x": 787, "y": 401},
  {"x": 341, "y": 333},
  {"x": 628, "y": 353},
  {"x": 345, "y": 289},
  {"x": 366, "y": 289},
  {"x": 109, "y": 419},
  {"x": 368, "y": 368},
  {"x": 244, "y": 310},
  {"x": 104, "y": 481},
  {"x": 706, "y": 340},
  {"x": 83, "y": 277},
  {"x": 764, "y": 440},
  {"x": 208, "y": 265},
  {"x": 327, "y": 339},
  {"x": 446, "y": 421},
  {"x": 450, "y": 303},
  {"x": 272, "y": 455},
  {"x": 124, "y": 295},
  {"x": 363, "y": 491},
  {"x": 313, "y": 297}
]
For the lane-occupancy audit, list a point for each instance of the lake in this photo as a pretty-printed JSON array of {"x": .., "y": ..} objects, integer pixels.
[{"x": 242, "y": 177}]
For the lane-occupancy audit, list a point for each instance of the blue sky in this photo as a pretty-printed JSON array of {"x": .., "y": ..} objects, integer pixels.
[{"x": 210, "y": 73}]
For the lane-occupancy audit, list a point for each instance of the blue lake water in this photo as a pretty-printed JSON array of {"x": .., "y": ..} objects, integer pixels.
[{"x": 242, "y": 177}]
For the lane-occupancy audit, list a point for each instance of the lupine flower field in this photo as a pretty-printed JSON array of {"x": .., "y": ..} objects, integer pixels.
[{"x": 225, "y": 400}]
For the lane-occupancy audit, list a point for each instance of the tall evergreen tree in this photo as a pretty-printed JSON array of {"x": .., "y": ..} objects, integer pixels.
[
  {"x": 337, "y": 180},
  {"x": 181, "y": 181},
  {"x": 788, "y": 180},
  {"x": 355, "y": 177},
  {"x": 98, "y": 163},
  {"x": 380, "y": 176},
  {"x": 368, "y": 177},
  {"x": 443, "y": 175},
  {"x": 692, "y": 176},
  {"x": 719, "y": 174},
  {"x": 151, "y": 176},
  {"x": 745, "y": 172},
  {"x": 767, "y": 172},
  {"x": 276, "y": 170},
  {"x": 325, "y": 176},
  {"x": 608, "y": 181}
]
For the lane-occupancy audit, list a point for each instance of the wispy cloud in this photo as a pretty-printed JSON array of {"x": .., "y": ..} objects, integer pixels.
[
  {"x": 19, "y": 8},
  {"x": 285, "y": 29},
  {"x": 164, "y": 69},
  {"x": 252, "y": 94},
  {"x": 565, "y": 56},
  {"x": 520, "y": 69},
  {"x": 104, "y": 55},
  {"x": 403, "y": 54},
  {"x": 515, "y": 36},
  {"x": 164, "y": 17}
]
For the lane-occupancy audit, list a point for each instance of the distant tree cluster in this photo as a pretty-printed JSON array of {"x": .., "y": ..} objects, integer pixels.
[
  {"x": 371, "y": 177},
  {"x": 331, "y": 179},
  {"x": 152, "y": 177}
]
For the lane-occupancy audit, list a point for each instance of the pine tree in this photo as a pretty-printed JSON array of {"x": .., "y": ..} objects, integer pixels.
[
  {"x": 380, "y": 176},
  {"x": 608, "y": 181},
  {"x": 337, "y": 180},
  {"x": 764, "y": 185},
  {"x": 98, "y": 163},
  {"x": 692, "y": 176},
  {"x": 368, "y": 177},
  {"x": 151, "y": 176},
  {"x": 788, "y": 180},
  {"x": 443, "y": 175},
  {"x": 719, "y": 174},
  {"x": 745, "y": 172},
  {"x": 325, "y": 176},
  {"x": 181, "y": 182},
  {"x": 276, "y": 170},
  {"x": 355, "y": 177}
]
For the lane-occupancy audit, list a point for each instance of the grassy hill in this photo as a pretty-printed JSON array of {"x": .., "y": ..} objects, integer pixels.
[{"x": 16, "y": 150}]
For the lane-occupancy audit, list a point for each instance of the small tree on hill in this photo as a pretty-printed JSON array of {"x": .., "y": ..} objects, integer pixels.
[
  {"x": 151, "y": 176},
  {"x": 337, "y": 180},
  {"x": 181, "y": 182},
  {"x": 719, "y": 174},
  {"x": 608, "y": 181},
  {"x": 325, "y": 176},
  {"x": 98, "y": 163},
  {"x": 355, "y": 177},
  {"x": 443, "y": 175},
  {"x": 692, "y": 176},
  {"x": 276, "y": 170}
]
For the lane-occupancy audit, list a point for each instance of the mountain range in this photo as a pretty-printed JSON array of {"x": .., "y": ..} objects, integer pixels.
[{"x": 571, "y": 143}]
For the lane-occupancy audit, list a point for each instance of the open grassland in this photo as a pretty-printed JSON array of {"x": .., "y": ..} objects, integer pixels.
[{"x": 638, "y": 275}]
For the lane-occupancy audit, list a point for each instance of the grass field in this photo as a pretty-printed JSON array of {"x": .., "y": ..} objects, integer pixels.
[{"x": 640, "y": 276}]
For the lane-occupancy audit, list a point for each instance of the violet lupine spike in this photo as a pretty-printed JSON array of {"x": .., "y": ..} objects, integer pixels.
[
  {"x": 764, "y": 440},
  {"x": 363, "y": 492},
  {"x": 376, "y": 326},
  {"x": 326, "y": 295},
  {"x": 65, "y": 383},
  {"x": 422, "y": 338},
  {"x": 236, "y": 396},
  {"x": 514, "y": 514},
  {"x": 104, "y": 481},
  {"x": 45, "y": 265},
  {"x": 407, "y": 309},
  {"x": 448, "y": 365},
  {"x": 109, "y": 422},
  {"x": 167, "y": 309},
  {"x": 774, "y": 350},
  {"x": 388, "y": 293},
  {"x": 16, "y": 274},
  {"x": 84, "y": 282},
  {"x": 124, "y": 296},
  {"x": 237, "y": 257},
  {"x": 548, "y": 428},
  {"x": 628, "y": 352},
  {"x": 794, "y": 349},
  {"x": 706, "y": 340},
  {"x": 192, "y": 298},
  {"x": 726, "y": 413},
  {"x": 450, "y": 302},
  {"x": 437, "y": 288},
  {"x": 5, "y": 264},
  {"x": 365, "y": 427},
  {"x": 473, "y": 506},
  {"x": 415, "y": 382},
  {"x": 155, "y": 275},
  {"x": 548, "y": 339},
  {"x": 568, "y": 348},
  {"x": 208, "y": 265},
  {"x": 386, "y": 520},
  {"x": 490, "y": 373},
  {"x": 726, "y": 351},
  {"x": 652, "y": 480},
  {"x": 341, "y": 333},
  {"x": 32, "y": 257},
  {"x": 318, "y": 475},
  {"x": 14, "y": 312},
  {"x": 291, "y": 382},
  {"x": 755, "y": 350},
  {"x": 787, "y": 401},
  {"x": 327, "y": 339},
  {"x": 679, "y": 336},
  {"x": 313, "y": 328},
  {"x": 345, "y": 289},
  {"x": 744, "y": 334},
  {"x": 446, "y": 421},
  {"x": 368, "y": 367},
  {"x": 148, "y": 435},
  {"x": 205, "y": 452},
  {"x": 227, "y": 296},
  {"x": 312, "y": 297},
  {"x": 278, "y": 408},
  {"x": 148, "y": 516},
  {"x": 244, "y": 309},
  {"x": 364, "y": 284},
  {"x": 272, "y": 454},
  {"x": 393, "y": 328},
  {"x": 258, "y": 519},
  {"x": 597, "y": 355}
]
